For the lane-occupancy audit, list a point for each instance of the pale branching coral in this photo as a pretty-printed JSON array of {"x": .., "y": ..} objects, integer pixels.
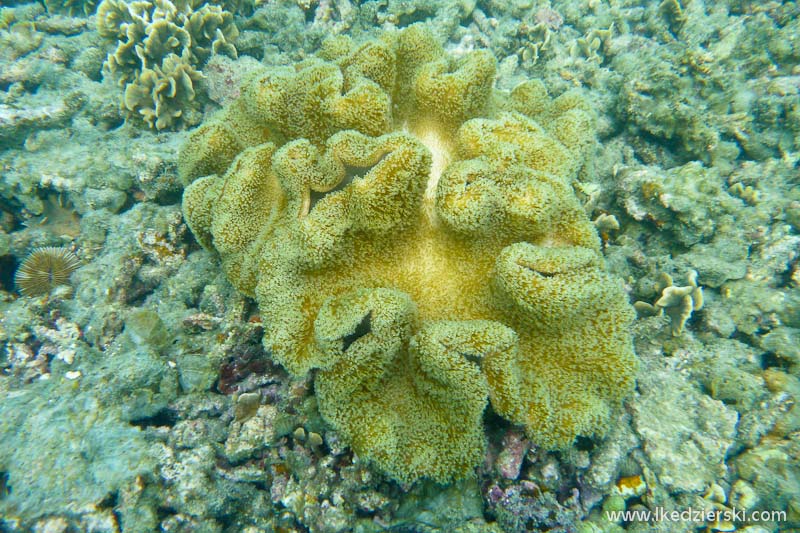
[
  {"x": 677, "y": 302},
  {"x": 161, "y": 47},
  {"x": 412, "y": 234}
]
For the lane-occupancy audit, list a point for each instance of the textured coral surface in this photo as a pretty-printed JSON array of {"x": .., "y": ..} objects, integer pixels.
[
  {"x": 413, "y": 234},
  {"x": 160, "y": 48}
]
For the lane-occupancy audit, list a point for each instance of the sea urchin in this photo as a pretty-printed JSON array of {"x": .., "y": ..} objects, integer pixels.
[{"x": 44, "y": 269}]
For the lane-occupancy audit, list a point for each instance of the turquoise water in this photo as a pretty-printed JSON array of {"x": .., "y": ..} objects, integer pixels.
[{"x": 410, "y": 266}]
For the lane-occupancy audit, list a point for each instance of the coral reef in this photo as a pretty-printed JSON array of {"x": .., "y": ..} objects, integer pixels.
[
  {"x": 419, "y": 256},
  {"x": 684, "y": 463},
  {"x": 145, "y": 396},
  {"x": 521, "y": 507},
  {"x": 16, "y": 123},
  {"x": 774, "y": 475},
  {"x": 160, "y": 48}
]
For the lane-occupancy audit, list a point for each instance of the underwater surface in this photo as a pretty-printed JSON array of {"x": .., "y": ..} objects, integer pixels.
[{"x": 399, "y": 265}]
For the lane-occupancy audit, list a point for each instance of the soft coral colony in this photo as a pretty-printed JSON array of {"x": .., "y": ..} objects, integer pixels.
[{"x": 411, "y": 235}]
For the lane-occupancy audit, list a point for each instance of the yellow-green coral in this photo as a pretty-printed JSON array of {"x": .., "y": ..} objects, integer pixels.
[
  {"x": 161, "y": 46},
  {"x": 573, "y": 322},
  {"x": 396, "y": 373},
  {"x": 421, "y": 257},
  {"x": 160, "y": 94}
]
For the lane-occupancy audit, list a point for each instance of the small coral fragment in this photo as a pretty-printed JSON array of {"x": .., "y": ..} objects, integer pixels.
[
  {"x": 677, "y": 302},
  {"x": 145, "y": 328}
]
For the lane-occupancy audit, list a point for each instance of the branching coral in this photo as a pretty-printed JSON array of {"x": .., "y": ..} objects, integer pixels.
[
  {"x": 160, "y": 47},
  {"x": 412, "y": 234}
]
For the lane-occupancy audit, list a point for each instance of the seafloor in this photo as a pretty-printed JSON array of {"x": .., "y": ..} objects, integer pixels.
[{"x": 138, "y": 397}]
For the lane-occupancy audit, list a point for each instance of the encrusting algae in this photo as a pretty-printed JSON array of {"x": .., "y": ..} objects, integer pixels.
[{"x": 412, "y": 234}]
